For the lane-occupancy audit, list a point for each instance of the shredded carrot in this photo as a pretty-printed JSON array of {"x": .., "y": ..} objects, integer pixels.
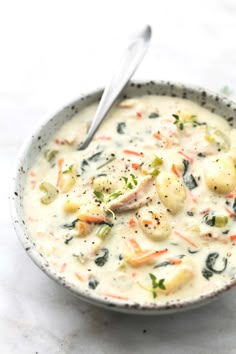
[
  {"x": 167, "y": 143},
  {"x": 134, "y": 274},
  {"x": 145, "y": 257},
  {"x": 136, "y": 166},
  {"x": 82, "y": 228},
  {"x": 205, "y": 211},
  {"x": 175, "y": 261},
  {"x": 190, "y": 159},
  {"x": 130, "y": 152},
  {"x": 104, "y": 138},
  {"x": 232, "y": 237},
  {"x": 139, "y": 115},
  {"x": 231, "y": 195},
  {"x": 174, "y": 170},
  {"x": 147, "y": 222},
  {"x": 93, "y": 218},
  {"x": 33, "y": 182},
  {"x": 132, "y": 222},
  {"x": 157, "y": 135},
  {"x": 135, "y": 245},
  {"x": 192, "y": 196},
  {"x": 60, "y": 163},
  {"x": 116, "y": 296},
  {"x": 186, "y": 239},
  {"x": 32, "y": 174},
  {"x": 230, "y": 212},
  {"x": 63, "y": 267},
  {"x": 32, "y": 219},
  {"x": 79, "y": 277},
  {"x": 57, "y": 141}
]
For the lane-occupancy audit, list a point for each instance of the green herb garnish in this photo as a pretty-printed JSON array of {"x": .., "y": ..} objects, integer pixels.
[
  {"x": 130, "y": 182},
  {"x": 156, "y": 284},
  {"x": 70, "y": 169},
  {"x": 105, "y": 200}
]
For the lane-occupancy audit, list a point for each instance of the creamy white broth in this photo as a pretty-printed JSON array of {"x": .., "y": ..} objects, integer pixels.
[{"x": 163, "y": 222}]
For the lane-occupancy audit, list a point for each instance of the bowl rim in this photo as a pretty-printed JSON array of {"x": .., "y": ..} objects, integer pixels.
[{"x": 130, "y": 306}]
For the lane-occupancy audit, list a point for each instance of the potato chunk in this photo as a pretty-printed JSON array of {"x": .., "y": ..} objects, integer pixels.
[{"x": 171, "y": 191}]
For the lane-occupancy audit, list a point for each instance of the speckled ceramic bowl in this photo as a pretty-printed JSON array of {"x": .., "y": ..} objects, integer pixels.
[{"x": 45, "y": 132}]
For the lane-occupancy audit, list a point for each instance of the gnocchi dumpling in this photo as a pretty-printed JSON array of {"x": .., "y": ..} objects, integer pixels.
[
  {"x": 220, "y": 174},
  {"x": 178, "y": 277},
  {"x": 171, "y": 191},
  {"x": 154, "y": 223},
  {"x": 104, "y": 184}
]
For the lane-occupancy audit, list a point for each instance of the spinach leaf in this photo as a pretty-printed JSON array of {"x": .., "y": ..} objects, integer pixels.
[
  {"x": 95, "y": 157},
  {"x": 153, "y": 115},
  {"x": 163, "y": 264},
  {"x": 190, "y": 181},
  {"x": 207, "y": 273},
  {"x": 186, "y": 166},
  {"x": 211, "y": 260},
  {"x": 121, "y": 127},
  {"x": 84, "y": 164},
  {"x": 70, "y": 226},
  {"x": 192, "y": 251},
  {"x": 209, "y": 219},
  {"x": 101, "y": 260},
  {"x": 68, "y": 240},
  {"x": 93, "y": 283},
  {"x": 190, "y": 213}
]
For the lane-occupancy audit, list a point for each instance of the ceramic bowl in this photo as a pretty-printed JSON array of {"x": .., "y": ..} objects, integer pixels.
[{"x": 45, "y": 132}]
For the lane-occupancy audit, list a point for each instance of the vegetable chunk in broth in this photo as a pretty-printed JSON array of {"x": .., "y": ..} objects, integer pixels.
[{"x": 147, "y": 213}]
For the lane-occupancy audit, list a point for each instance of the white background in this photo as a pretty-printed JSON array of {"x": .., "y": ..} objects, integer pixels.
[{"x": 50, "y": 52}]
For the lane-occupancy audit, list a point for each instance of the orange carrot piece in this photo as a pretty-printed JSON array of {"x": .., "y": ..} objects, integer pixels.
[
  {"x": 232, "y": 237},
  {"x": 157, "y": 135},
  {"x": 57, "y": 141},
  {"x": 33, "y": 182},
  {"x": 147, "y": 222},
  {"x": 230, "y": 212},
  {"x": 135, "y": 245},
  {"x": 60, "y": 163},
  {"x": 131, "y": 152},
  {"x": 63, "y": 267},
  {"x": 116, "y": 296},
  {"x": 145, "y": 257},
  {"x": 132, "y": 222},
  {"x": 186, "y": 239},
  {"x": 167, "y": 143},
  {"x": 139, "y": 115},
  {"x": 175, "y": 261},
  {"x": 104, "y": 138},
  {"x": 32, "y": 174},
  {"x": 79, "y": 277},
  {"x": 136, "y": 166},
  {"x": 93, "y": 218},
  {"x": 82, "y": 228},
  {"x": 175, "y": 170},
  {"x": 205, "y": 211},
  {"x": 134, "y": 274},
  {"x": 190, "y": 159}
]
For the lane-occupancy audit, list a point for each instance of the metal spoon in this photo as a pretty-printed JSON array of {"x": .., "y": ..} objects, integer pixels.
[{"x": 129, "y": 63}]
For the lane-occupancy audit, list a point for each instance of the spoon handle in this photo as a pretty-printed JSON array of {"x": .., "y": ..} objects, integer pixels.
[{"x": 128, "y": 65}]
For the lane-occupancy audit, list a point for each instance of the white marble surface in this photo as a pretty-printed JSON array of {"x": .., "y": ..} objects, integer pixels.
[{"x": 52, "y": 51}]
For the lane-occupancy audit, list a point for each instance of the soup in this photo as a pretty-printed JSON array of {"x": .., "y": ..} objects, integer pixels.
[{"x": 147, "y": 212}]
